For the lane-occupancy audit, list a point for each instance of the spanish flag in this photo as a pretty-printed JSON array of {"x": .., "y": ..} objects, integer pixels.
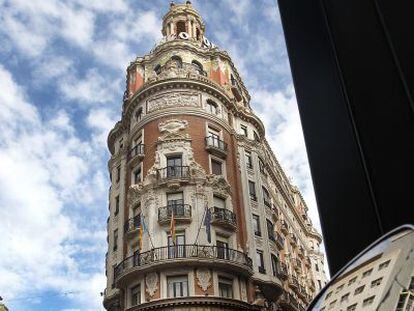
[
  {"x": 140, "y": 237},
  {"x": 172, "y": 227}
]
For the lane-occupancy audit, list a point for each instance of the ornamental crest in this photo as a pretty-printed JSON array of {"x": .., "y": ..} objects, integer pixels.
[
  {"x": 204, "y": 277},
  {"x": 151, "y": 280}
]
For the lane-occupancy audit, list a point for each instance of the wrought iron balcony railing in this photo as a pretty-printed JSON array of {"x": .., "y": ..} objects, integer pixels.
[
  {"x": 282, "y": 271},
  {"x": 173, "y": 172},
  {"x": 132, "y": 224},
  {"x": 216, "y": 145},
  {"x": 280, "y": 242},
  {"x": 224, "y": 216},
  {"x": 181, "y": 212},
  {"x": 137, "y": 150},
  {"x": 190, "y": 252}
]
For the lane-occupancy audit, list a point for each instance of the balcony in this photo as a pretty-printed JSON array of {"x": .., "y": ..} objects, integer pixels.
[
  {"x": 216, "y": 146},
  {"x": 138, "y": 151},
  {"x": 173, "y": 175},
  {"x": 284, "y": 227},
  {"x": 293, "y": 283},
  {"x": 131, "y": 226},
  {"x": 224, "y": 217},
  {"x": 282, "y": 272},
  {"x": 176, "y": 256},
  {"x": 293, "y": 240},
  {"x": 182, "y": 213},
  {"x": 298, "y": 265},
  {"x": 236, "y": 90},
  {"x": 280, "y": 242}
]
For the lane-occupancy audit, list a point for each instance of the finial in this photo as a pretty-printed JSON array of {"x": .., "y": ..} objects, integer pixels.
[
  {"x": 188, "y": 2},
  {"x": 172, "y": 4}
]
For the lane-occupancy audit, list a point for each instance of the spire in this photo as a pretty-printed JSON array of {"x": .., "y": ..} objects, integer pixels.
[{"x": 182, "y": 20}]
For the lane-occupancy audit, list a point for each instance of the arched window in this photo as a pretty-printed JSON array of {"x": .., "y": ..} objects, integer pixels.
[
  {"x": 198, "y": 66},
  {"x": 181, "y": 27},
  {"x": 198, "y": 34},
  {"x": 178, "y": 61},
  {"x": 157, "y": 69},
  {"x": 211, "y": 106}
]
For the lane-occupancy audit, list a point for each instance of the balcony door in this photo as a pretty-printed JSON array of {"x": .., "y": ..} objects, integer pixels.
[
  {"x": 174, "y": 166},
  {"x": 222, "y": 250},
  {"x": 175, "y": 203},
  {"x": 177, "y": 250}
]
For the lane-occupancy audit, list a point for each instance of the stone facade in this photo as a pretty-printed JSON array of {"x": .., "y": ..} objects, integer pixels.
[{"x": 189, "y": 141}]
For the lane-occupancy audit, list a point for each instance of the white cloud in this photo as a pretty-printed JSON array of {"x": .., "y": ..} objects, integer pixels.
[
  {"x": 92, "y": 89},
  {"x": 279, "y": 112},
  {"x": 43, "y": 168}
]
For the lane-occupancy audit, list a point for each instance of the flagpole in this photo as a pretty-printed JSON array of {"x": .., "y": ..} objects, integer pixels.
[
  {"x": 201, "y": 223},
  {"x": 146, "y": 229}
]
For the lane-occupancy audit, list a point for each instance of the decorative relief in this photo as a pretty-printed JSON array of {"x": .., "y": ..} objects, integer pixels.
[
  {"x": 219, "y": 185},
  {"x": 172, "y": 126},
  {"x": 176, "y": 99},
  {"x": 243, "y": 290},
  {"x": 151, "y": 280},
  {"x": 204, "y": 277}
]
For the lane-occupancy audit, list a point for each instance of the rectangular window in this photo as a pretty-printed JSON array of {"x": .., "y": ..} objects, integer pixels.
[
  {"x": 175, "y": 203},
  {"x": 121, "y": 143},
  {"x": 177, "y": 286},
  {"x": 367, "y": 273},
  {"x": 216, "y": 167},
  {"x": 118, "y": 174},
  {"x": 219, "y": 202},
  {"x": 376, "y": 282},
  {"x": 249, "y": 162},
  {"x": 270, "y": 230},
  {"x": 244, "y": 131},
  {"x": 252, "y": 190},
  {"x": 116, "y": 205},
  {"x": 345, "y": 297},
  {"x": 137, "y": 175},
  {"x": 352, "y": 281},
  {"x": 256, "y": 225},
  {"x": 115, "y": 247},
  {"x": 222, "y": 250},
  {"x": 135, "y": 295},
  {"x": 332, "y": 305},
  {"x": 266, "y": 198},
  {"x": 368, "y": 301},
  {"x": 274, "y": 264},
  {"x": 260, "y": 262},
  {"x": 177, "y": 249},
  {"x": 319, "y": 284},
  {"x": 316, "y": 267},
  {"x": 359, "y": 290},
  {"x": 352, "y": 307},
  {"x": 175, "y": 167},
  {"x": 262, "y": 166},
  {"x": 383, "y": 265},
  {"x": 225, "y": 287}
]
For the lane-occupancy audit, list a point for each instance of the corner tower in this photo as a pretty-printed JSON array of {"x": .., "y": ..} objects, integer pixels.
[{"x": 202, "y": 216}]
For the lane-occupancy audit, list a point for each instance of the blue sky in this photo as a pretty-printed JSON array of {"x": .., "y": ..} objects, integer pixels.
[{"x": 62, "y": 77}]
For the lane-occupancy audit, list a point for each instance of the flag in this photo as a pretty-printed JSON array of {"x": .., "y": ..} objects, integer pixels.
[
  {"x": 140, "y": 236},
  {"x": 172, "y": 227},
  {"x": 207, "y": 223}
]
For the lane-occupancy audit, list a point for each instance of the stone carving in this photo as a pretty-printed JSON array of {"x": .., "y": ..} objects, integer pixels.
[
  {"x": 219, "y": 184},
  {"x": 172, "y": 126},
  {"x": 243, "y": 291},
  {"x": 151, "y": 280},
  {"x": 204, "y": 277},
  {"x": 175, "y": 99}
]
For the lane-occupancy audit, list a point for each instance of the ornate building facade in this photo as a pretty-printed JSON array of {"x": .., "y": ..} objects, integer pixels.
[{"x": 202, "y": 216}]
